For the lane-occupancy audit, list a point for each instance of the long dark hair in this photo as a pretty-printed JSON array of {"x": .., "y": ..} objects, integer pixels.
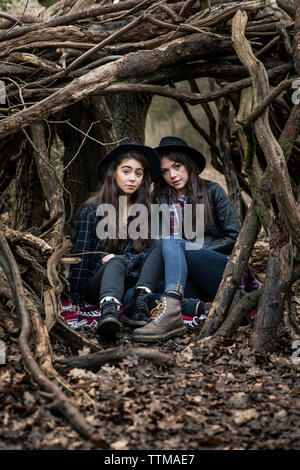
[
  {"x": 194, "y": 183},
  {"x": 109, "y": 193}
]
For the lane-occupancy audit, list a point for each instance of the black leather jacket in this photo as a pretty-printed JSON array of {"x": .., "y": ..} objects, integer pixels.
[{"x": 221, "y": 233}]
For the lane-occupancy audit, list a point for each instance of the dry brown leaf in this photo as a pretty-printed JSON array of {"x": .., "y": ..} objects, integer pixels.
[
  {"x": 242, "y": 417},
  {"x": 121, "y": 444}
]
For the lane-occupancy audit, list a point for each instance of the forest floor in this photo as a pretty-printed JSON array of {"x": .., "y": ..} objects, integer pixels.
[{"x": 226, "y": 399}]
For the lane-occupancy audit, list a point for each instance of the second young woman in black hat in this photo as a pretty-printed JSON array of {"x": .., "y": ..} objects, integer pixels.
[
  {"x": 178, "y": 186},
  {"x": 111, "y": 259}
]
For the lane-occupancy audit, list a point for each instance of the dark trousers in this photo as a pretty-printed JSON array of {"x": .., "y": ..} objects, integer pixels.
[{"x": 110, "y": 281}]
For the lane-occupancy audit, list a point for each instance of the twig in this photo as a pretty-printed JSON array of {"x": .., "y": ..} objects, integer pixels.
[
  {"x": 169, "y": 12},
  {"x": 287, "y": 6},
  {"x": 128, "y": 12},
  {"x": 67, "y": 121},
  {"x": 15, "y": 236},
  {"x": 34, "y": 60},
  {"x": 181, "y": 27},
  {"x": 268, "y": 100},
  {"x": 278, "y": 277},
  {"x": 267, "y": 47},
  {"x": 17, "y": 21},
  {"x": 74, "y": 17},
  {"x": 285, "y": 38},
  {"x": 11, "y": 18},
  {"x": 89, "y": 253},
  {"x": 233, "y": 273},
  {"x": 245, "y": 306},
  {"x": 198, "y": 128},
  {"x": 103, "y": 43},
  {"x": 18, "y": 87},
  {"x": 47, "y": 163},
  {"x": 80, "y": 146},
  {"x": 186, "y": 7}
]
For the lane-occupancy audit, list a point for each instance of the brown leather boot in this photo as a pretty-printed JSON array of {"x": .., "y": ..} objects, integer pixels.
[{"x": 165, "y": 323}]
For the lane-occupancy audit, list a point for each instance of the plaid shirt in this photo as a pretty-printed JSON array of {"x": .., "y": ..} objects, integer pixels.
[
  {"x": 176, "y": 218},
  {"x": 89, "y": 244}
]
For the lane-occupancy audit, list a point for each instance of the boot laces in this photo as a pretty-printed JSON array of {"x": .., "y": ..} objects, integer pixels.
[
  {"x": 109, "y": 306},
  {"x": 141, "y": 300},
  {"x": 157, "y": 311}
]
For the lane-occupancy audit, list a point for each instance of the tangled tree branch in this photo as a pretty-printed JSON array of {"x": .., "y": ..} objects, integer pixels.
[{"x": 60, "y": 401}]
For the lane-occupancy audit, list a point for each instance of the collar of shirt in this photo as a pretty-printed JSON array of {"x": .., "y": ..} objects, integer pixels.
[{"x": 181, "y": 201}]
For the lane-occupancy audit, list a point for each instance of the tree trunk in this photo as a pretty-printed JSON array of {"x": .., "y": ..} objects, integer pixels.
[
  {"x": 49, "y": 182},
  {"x": 129, "y": 114},
  {"x": 278, "y": 276},
  {"x": 29, "y": 204},
  {"x": 80, "y": 159}
]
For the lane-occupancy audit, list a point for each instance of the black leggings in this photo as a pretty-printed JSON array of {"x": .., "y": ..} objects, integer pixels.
[
  {"x": 110, "y": 281},
  {"x": 112, "y": 278}
]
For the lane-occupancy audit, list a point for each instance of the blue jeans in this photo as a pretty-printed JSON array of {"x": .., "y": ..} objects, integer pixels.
[
  {"x": 195, "y": 273},
  {"x": 203, "y": 266}
]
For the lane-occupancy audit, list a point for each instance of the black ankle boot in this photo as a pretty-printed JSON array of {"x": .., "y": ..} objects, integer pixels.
[
  {"x": 109, "y": 324},
  {"x": 136, "y": 312}
]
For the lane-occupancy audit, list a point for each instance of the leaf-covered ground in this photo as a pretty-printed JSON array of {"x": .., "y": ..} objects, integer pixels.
[{"x": 226, "y": 399}]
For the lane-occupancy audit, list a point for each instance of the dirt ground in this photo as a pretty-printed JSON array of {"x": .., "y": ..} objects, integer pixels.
[{"x": 228, "y": 399}]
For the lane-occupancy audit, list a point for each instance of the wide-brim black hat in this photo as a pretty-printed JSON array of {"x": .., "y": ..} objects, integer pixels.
[
  {"x": 167, "y": 144},
  {"x": 148, "y": 152}
]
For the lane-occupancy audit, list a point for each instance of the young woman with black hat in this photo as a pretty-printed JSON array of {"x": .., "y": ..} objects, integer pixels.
[
  {"x": 110, "y": 259},
  {"x": 179, "y": 184}
]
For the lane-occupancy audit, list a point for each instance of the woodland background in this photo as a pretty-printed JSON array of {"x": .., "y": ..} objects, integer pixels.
[{"x": 230, "y": 69}]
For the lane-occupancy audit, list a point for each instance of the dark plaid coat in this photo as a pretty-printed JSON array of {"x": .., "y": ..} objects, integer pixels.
[{"x": 87, "y": 245}]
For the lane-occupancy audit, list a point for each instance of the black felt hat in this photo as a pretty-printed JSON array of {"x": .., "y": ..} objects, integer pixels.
[
  {"x": 148, "y": 152},
  {"x": 168, "y": 144}
]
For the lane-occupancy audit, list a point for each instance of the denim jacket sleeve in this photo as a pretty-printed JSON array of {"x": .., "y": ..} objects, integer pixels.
[{"x": 226, "y": 226}]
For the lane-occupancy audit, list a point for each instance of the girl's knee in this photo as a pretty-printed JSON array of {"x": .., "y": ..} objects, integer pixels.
[
  {"x": 116, "y": 261},
  {"x": 119, "y": 259}
]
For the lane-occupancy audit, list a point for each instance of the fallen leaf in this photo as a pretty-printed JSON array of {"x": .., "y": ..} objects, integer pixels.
[
  {"x": 197, "y": 399},
  {"x": 77, "y": 373},
  {"x": 85, "y": 350},
  {"x": 187, "y": 354},
  {"x": 242, "y": 417},
  {"x": 121, "y": 444}
]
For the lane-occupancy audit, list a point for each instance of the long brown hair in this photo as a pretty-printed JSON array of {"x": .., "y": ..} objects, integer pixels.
[
  {"x": 194, "y": 183},
  {"x": 109, "y": 193}
]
